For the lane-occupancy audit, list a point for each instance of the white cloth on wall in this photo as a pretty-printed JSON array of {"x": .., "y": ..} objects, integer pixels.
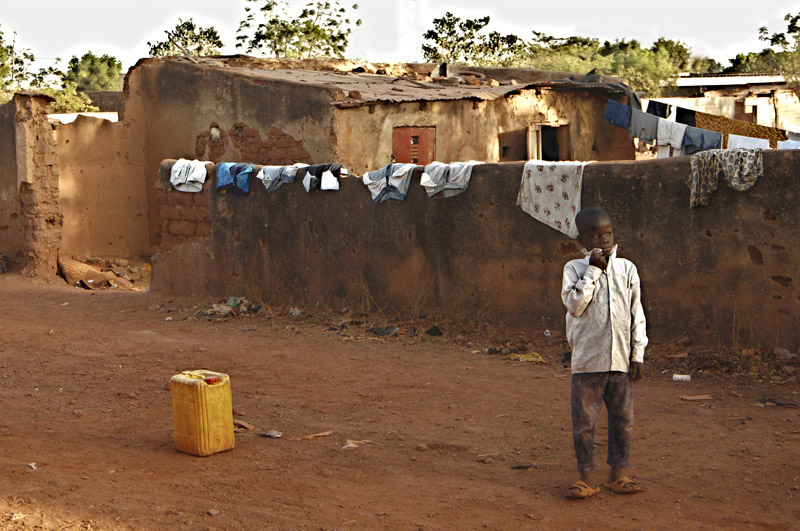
[
  {"x": 736, "y": 142},
  {"x": 188, "y": 175},
  {"x": 788, "y": 144},
  {"x": 664, "y": 152},
  {"x": 389, "y": 182},
  {"x": 670, "y": 133},
  {"x": 328, "y": 181},
  {"x": 274, "y": 176},
  {"x": 447, "y": 180},
  {"x": 551, "y": 193}
]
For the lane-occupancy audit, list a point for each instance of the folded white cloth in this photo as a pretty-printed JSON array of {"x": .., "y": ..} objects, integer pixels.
[
  {"x": 188, "y": 175},
  {"x": 449, "y": 179},
  {"x": 736, "y": 142},
  {"x": 328, "y": 181}
]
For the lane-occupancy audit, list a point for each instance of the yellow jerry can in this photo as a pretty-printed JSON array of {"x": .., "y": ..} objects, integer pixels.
[{"x": 202, "y": 412}]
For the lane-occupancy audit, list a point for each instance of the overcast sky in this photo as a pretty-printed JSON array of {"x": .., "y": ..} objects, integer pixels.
[{"x": 392, "y": 29}]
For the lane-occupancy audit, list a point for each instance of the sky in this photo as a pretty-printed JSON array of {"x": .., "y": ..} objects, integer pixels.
[{"x": 392, "y": 29}]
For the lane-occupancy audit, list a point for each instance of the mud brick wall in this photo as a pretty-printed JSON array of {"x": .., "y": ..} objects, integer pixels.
[
  {"x": 184, "y": 216},
  {"x": 11, "y": 227},
  {"x": 723, "y": 274}
]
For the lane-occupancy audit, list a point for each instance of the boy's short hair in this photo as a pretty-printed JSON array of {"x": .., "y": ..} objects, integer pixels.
[{"x": 590, "y": 217}]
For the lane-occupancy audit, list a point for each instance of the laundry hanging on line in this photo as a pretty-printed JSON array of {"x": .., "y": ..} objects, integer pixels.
[
  {"x": 234, "y": 178},
  {"x": 323, "y": 177},
  {"x": 274, "y": 176},
  {"x": 188, "y": 175},
  {"x": 551, "y": 193},
  {"x": 442, "y": 180},
  {"x": 746, "y": 142},
  {"x": 739, "y": 167},
  {"x": 695, "y": 139},
  {"x": 390, "y": 182}
]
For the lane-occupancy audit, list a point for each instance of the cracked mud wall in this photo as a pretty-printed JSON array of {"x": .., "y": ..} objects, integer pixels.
[
  {"x": 37, "y": 175},
  {"x": 11, "y": 226},
  {"x": 467, "y": 130},
  {"x": 190, "y": 111},
  {"x": 724, "y": 274}
]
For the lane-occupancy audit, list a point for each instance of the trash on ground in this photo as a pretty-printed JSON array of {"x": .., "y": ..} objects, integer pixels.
[
  {"x": 353, "y": 444},
  {"x": 434, "y": 331},
  {"x": 295, "y": 312},
  {"x": 389, "y": 330},
  {"x": 521, "y": 467},
  {"x": 695, "y": 397},
  {"x": 243, "y": 424},
  {"x": 313, "y": 436},
  {"x": 271, "y": 434},
  {"x": 90, "y": 277},
  {"x": 777, "y": 401},
  {"x": 32, "y": 466},
  {"x": 533, "y": 357},
  {"x": 3, "y": 263},
  {"x": 681, "y": 378}
]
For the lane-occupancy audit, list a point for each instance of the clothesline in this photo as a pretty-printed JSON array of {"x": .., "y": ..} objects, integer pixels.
[{"x": 693, "y": 131}]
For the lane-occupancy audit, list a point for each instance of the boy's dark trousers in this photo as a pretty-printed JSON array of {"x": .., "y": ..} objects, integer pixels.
[{"x": 589, "y": 390}]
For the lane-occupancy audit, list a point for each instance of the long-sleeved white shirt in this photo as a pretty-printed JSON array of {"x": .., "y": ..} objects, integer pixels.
[{"x": 605, "y": 318}]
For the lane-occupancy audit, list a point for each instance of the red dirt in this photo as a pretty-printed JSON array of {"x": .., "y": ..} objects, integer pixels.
[{"x": 89, "y": 405}]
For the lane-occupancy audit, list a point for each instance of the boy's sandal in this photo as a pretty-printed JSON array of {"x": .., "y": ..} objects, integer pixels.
[
  {"x": 581, "y": 490},
  {"x": 623, "y": 485}
]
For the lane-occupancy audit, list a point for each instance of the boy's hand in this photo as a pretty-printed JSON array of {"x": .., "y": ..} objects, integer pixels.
[
  {"x": 598, "y": 260},
  {"x": 637, "y": 371}
]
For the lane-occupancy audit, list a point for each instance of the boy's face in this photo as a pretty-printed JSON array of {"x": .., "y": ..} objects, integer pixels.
[{"x": 599, "y": 236}]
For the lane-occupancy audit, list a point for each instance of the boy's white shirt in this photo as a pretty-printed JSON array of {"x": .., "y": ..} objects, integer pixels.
[{"x": 605, "y": 318}]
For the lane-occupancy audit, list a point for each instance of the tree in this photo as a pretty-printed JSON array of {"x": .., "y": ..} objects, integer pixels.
[
  {"x": 680, "y": 55},
  {"x": 322, "y": 28},
  {"x": 92, "y": 72},
  {"x": 459, "y": 41},
  {"x": 187, "y": 37},
  {"x": 788, "y": 41}
]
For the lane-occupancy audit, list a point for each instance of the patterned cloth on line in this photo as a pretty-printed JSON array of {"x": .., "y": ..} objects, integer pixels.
[
  {"x": 739, "y": 167},
  {"x": 729, "y": 126},
  {"x": 551, "y": 193}
]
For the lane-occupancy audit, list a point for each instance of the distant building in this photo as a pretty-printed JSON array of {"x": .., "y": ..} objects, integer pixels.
[{"x": 760, "y": 99}]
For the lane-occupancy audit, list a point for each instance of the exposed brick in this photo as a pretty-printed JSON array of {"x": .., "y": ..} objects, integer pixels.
[
  {"x": 201, "y": 199},
  {"x": 168, "y": 241},
  {"x": 179, "y": 198},
  {"x": 203, "y": 230},
  {"x": 183, "y": 229},
  {"x": 286, "y": 142},
  {"x": 195, "y": 214},
  {"x": 161, "y": 198},
  {"x": 173, "y": 212}
]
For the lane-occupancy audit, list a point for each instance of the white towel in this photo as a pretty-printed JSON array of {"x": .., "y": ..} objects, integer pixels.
[
  {"x": 551, "y": 193},
  {"x": 188, "y": 175},
  {"x": 736, "y": 142}
]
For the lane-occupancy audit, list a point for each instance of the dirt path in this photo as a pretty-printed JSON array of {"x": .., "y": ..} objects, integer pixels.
[{"x": 89, "y": 405}]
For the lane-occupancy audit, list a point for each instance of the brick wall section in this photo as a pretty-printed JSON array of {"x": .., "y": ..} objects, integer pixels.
[{"x": 184, "y": 216}]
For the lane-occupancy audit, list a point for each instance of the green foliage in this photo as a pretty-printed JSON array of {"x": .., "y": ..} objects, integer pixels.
[
  {"x": 453, "y": 40},
  {"x": 187, "y": 37},
  {"x": 320, "y": 29},
  {"x": 69, "y": 99},
  {"x": 92, "y": 72},
  {"x": 680, "y": 55}
]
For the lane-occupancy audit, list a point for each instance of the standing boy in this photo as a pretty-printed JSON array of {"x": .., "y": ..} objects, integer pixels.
[{"x": 606, "y": 331}]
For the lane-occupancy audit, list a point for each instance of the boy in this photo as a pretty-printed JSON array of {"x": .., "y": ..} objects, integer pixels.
[{"x": 606, "y": 331}]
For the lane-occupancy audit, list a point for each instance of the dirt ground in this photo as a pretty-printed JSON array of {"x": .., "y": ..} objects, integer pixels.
[{"x": 85, "y": 393}]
